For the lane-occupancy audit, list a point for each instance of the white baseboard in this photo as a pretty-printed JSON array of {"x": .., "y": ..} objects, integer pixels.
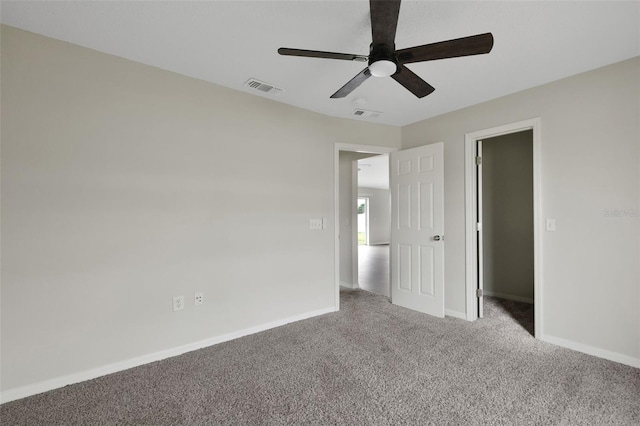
[
  {"x": 455, "y": 314},
  {"x": 58, "y": 382},
  {"x": 508, "y": 296},
  {"x": 592, "y": 350},
  {"x": 349, "y": 285}
]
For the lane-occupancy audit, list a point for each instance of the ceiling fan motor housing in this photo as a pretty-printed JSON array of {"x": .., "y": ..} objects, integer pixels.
[{"x": 383, "y": 59}]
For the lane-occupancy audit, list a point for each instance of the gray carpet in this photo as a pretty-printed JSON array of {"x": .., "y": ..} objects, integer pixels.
[{"x": 370, "y": 363}]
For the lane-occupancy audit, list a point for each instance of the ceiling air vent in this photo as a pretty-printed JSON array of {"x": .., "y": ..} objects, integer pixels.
[
  {"x": 365, "y": 113},
  {"x": 263, "y": 87}
]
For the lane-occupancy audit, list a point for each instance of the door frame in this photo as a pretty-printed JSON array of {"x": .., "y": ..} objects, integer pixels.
[
  {"x": 369, "y": 149},
  {"x": 471, "y": 203}
]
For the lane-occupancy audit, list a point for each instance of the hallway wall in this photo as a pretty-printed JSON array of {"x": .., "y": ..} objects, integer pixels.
[
  {"x": 379, "y": 214},
  {"x": 347, "y": 192}
]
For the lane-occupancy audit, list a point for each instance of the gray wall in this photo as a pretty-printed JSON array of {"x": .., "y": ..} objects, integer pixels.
[
  {"x": 590, "y": 152},
  {"x": 124, "y": 185},
  {"x": 507, "y": 215},
  {"x": 379, "y": 214}
]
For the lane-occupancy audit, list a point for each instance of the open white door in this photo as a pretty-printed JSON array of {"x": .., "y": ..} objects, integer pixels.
[
  {"x": 480, "y": 292},
  {"x": 417, "y": 227}
]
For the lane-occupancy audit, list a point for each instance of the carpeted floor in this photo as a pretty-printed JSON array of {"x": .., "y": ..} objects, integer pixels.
[{"x": 371, "y": 363}]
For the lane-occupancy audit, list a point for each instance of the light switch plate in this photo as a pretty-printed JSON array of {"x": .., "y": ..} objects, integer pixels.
[
  {"x": 315, "y": 223},
  {"x": 178, "y": 303}
]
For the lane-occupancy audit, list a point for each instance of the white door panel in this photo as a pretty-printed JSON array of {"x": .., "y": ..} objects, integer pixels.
[
  {"x": 479, "y": 230},
  {"x": 417, "y": 227}
]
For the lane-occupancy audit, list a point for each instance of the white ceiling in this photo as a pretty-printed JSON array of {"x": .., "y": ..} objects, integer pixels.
[
  {"x": 228, "y": 42},
  {"x": 373, "y": 172}
]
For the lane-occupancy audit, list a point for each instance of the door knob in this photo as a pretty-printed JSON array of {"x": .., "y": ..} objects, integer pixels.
[{"x": 437, "y": 238}]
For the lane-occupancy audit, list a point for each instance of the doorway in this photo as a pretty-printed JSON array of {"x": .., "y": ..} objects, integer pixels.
[
  {"x": 417, "y": 224},
  {"x": 503, "y": 230},
  {"x": 374, "y": 225},
  {"x": 345, "y": 195}
]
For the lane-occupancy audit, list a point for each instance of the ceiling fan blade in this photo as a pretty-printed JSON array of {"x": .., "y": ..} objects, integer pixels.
[
  {"x": 352, "y": 84},
  {"x": 319, "y": 54},
  {"x": 466, "y": 46},
  {"x": 384, "y": 21},
  {"x": 412, "y": 82}
]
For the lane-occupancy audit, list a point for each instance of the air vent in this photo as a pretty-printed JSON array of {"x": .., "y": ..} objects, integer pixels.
[
  {"x": 365, "y": 113},
  {"x": 263, "y": 87}
]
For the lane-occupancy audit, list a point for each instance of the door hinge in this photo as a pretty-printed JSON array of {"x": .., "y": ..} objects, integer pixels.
[
  {"x": 479, "y": 292},
  {"x": 478, "y": 226},
  {"x": 478, "y": 160}
]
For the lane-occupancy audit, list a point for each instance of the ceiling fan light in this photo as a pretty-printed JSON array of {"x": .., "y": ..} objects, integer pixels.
[{"x": 382, "y": 68}]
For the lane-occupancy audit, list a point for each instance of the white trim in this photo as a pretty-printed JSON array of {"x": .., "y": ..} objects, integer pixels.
[
  {"x": 58, "y": 382},
  {"x": 470, "y": 216},
  {"x": 538, "y": 286},
  {"x": 355, "y": 277},
  {"x": 373, "y": 149},
  {"x": 349, "y": 286},
  {"x": 508, "y": 296},
  {"x": 455, "y": 314},
  {"x": 479, "y": 233},
  {"x": 592, "y": 350},
  {"x": 471, "y": 249}
]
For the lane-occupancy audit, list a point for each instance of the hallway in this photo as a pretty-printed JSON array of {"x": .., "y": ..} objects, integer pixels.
[{"x": 373, "y": 269}]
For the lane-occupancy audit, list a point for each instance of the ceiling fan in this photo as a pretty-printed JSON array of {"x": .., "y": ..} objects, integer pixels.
[{"x": 384, "y": 60}]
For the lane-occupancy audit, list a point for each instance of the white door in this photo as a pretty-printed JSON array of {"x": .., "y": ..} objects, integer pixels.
[{"x": 417, "y": 228}]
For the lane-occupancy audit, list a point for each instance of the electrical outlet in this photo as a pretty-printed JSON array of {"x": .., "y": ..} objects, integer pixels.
[
  {"x": 178, "y": 303},
  {"x": 198, "y": 298}
]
